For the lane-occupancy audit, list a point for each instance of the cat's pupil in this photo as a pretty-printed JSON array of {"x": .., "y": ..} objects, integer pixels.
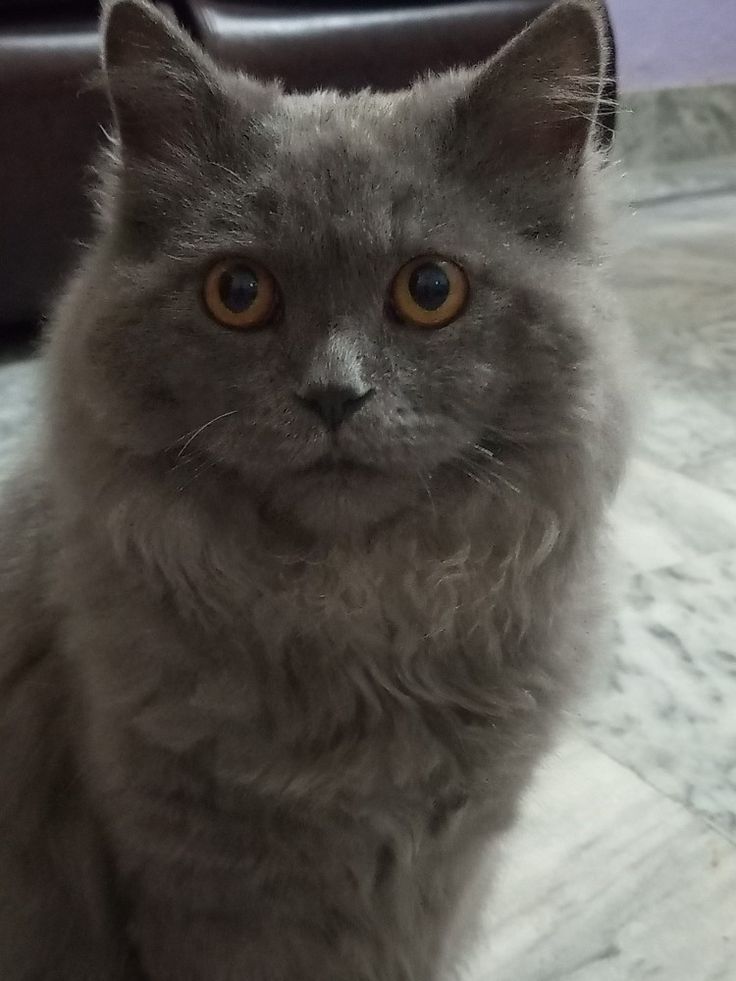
[
  {"x": 238, "y": 288},
  {"x": 429, "y": 286}
]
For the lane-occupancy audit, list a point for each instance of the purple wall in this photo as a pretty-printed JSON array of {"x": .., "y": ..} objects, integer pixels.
[{"x": 663, "y": 43}]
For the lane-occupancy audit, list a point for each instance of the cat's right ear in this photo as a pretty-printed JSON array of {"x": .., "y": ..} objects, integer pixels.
[{"x": 162, "y": 88}]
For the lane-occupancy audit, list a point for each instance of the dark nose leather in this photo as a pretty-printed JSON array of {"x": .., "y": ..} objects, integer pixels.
[{"x": 334, "y": 403}]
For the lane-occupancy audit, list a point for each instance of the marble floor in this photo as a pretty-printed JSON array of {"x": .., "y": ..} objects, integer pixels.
[{"x": 623, "y": 867}]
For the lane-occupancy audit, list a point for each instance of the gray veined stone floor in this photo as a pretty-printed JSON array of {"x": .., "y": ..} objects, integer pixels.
[{"x": 623, "y": 867}]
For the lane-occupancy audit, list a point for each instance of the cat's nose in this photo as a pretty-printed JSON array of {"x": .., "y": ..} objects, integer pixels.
[{"x": 335, "y": 403}]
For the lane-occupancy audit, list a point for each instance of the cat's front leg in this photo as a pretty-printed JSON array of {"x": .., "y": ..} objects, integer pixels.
[
  {"x": 284, "y": 936},
  {"x": 58, "y": 914},
  {"x": 59, "y": 918}
]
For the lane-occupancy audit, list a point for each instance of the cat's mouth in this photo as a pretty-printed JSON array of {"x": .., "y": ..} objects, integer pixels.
[
  {"x": 333, "y": 465},
  {"x": 337, "y": 493}
]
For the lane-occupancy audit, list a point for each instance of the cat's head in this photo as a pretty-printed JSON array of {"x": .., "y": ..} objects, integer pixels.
[{"x": 346, "y": 303}]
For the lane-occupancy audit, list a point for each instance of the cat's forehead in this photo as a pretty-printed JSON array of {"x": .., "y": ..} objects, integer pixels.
[
  {"x": 324, "y": 175},
  {"x": 360, "y": 115},
  {"x": 358, "y": 142}
]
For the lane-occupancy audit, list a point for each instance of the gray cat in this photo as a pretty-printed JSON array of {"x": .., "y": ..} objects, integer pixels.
[{"x": 308, "y": 559}]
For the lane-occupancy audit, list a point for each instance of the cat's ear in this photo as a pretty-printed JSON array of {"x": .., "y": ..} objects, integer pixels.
[
  {"x": 534, "y": 106},
  {"x": 161, "y": 86}
]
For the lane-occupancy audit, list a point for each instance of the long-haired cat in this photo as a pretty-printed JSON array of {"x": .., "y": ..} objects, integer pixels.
[{"x": 306, "y": 561}]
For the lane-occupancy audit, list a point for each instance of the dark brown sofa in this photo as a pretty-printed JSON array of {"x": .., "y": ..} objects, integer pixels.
[{"x": 49, "y": 123}]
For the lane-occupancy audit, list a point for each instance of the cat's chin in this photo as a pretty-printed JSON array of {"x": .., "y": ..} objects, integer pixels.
[{"x": 336, "y": 497}]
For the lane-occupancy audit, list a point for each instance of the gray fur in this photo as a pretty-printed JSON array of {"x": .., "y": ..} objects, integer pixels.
[{"x": 266, "y": 700}]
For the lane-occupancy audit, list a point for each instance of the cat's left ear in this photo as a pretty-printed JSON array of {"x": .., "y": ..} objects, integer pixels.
[
  {"x": 533, "y": 107},
  {"x": 163, "y": 89}
]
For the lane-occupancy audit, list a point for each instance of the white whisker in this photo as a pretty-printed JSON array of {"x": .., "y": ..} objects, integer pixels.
[
  {"x": 190, "y": 437},
  {"x": 488, "y": 475}
]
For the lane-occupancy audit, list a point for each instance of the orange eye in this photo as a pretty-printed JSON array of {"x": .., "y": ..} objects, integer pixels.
[
  {"x": 240, "y": 293},
  {"x": 429, "y": 291}
]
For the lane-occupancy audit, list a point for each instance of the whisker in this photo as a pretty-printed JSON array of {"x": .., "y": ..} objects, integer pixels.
[
  {"x": 190, "y": 437},
  {"x": 477, "y": 479},
  {"x": 488, "y": 454},
  {"x": 488, "y": 472},
  {"x": 202, "y": 468},
  {"x": 519, "y": 438},
  {"x": 238, "y": 178}
]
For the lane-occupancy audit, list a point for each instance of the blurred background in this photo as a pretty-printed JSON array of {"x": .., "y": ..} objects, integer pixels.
[{"x": 624, "y": 865}]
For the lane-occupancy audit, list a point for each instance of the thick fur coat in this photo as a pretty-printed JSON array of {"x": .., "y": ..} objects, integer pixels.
[{"x": 269, "y": 693}]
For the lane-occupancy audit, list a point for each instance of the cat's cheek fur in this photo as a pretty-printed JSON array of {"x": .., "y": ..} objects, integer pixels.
[{"x": 269, "y": 695}]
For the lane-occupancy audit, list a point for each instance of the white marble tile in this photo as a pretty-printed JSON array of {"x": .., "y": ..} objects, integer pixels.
[
  {"x": 18, "y": 396},
  {"x": 717, "y": 469},
  {"x": 675, "y": 274},
  {"x": 689, "y": 125},
  {"x": 674, "y": 287},
  {"x": 662, "y": 517},
  {"x": 606, "y": 880},
  {"x": 651, "y": 183},
  {"x": 680, "y": 428},
  {"x": 673, "y": 264},
  {"x": 666, "y": 695},
  {"x": 707, "y": 215}
]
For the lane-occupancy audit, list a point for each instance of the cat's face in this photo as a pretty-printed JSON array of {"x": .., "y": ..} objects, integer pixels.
[{"x": 258, "y": 306}]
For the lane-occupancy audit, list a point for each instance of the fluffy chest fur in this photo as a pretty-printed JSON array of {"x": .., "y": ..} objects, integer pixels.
[{"x": 353, "y": 728}]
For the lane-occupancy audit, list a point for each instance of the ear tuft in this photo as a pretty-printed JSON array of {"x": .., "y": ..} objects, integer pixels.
[{"x": 136, "y": 33}]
